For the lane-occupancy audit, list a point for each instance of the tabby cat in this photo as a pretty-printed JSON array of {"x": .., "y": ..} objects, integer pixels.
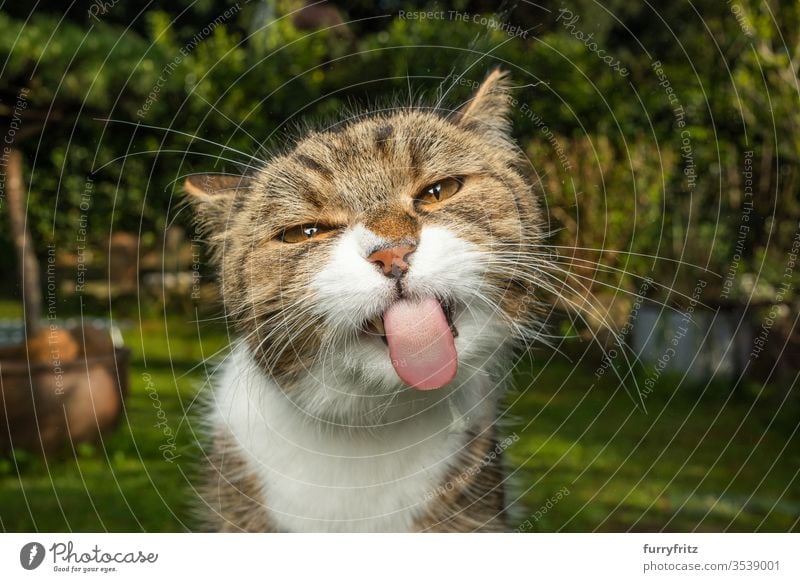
[{"x": 376, "y": 278}]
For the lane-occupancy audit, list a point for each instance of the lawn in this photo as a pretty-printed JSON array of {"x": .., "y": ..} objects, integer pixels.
[{"x": 585, "y": 458}]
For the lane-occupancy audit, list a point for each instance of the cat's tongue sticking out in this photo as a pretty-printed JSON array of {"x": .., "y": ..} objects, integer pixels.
[{"x": 421, "y": 344}]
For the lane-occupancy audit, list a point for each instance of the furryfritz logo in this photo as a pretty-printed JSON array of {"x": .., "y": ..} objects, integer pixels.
[{"x": 31, "y": 555}]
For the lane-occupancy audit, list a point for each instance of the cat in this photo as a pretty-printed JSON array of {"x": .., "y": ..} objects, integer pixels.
[{"x": 376, "y": 275}]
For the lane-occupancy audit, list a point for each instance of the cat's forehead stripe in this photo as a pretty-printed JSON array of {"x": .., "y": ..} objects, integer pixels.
[
  {"x": 415, "y": 154},
  {"x": 313, "y": 165},
  {"x": 383, "y": 137}
]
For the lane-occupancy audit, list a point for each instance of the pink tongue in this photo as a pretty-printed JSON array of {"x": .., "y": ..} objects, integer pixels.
[{"x": 421, "y": 344}]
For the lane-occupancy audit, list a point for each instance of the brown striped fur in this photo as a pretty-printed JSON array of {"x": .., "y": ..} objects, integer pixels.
[
  {"x": 230, "y": 493},
  {"x": 366, "y": 171}
]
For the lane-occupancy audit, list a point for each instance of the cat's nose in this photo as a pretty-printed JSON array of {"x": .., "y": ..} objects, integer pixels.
[{"x": 392, "y": 261}]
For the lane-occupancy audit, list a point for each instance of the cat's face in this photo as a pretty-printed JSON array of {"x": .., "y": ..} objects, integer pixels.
[{"x": 383, "y": 255}]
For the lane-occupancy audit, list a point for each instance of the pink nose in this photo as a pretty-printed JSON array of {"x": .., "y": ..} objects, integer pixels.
[{"x": 392, "y": 261}]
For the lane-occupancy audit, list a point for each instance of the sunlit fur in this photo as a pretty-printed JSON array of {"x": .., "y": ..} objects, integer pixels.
[{"x": 300, "y": 309}]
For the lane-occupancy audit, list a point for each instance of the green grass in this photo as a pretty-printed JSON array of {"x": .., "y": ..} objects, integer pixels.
[{"x": 694, "y": 461}]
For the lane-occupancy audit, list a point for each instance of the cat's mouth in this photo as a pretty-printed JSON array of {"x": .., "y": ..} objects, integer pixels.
[
  {"x": 421, "y": 336},
  {"x": 376, "y": 327}
]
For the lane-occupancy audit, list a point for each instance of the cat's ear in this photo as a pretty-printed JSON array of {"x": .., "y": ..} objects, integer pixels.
[
  {"x": 489, "y": 107},
  {"x": 212, "y": 196}
]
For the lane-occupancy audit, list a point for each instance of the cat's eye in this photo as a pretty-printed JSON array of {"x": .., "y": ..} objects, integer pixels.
[
  {"x": 303, "y": 232},
  {"x": 439, "y": 191}
]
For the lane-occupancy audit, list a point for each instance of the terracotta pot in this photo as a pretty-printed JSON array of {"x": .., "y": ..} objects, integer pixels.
[{"x": 44, "y": 406}]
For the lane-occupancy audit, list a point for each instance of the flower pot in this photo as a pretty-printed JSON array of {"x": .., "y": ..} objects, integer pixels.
[{"x": 45, "y": 405}]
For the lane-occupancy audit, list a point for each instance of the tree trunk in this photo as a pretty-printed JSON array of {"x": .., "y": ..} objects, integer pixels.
[{"x": 28, "y": 264}]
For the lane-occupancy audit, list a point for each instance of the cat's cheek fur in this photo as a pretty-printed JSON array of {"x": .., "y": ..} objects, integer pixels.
[{"x": 446, "y": 266}]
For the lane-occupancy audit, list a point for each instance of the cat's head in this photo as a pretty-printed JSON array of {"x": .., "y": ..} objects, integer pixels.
[{"x": 387, "y": 252}]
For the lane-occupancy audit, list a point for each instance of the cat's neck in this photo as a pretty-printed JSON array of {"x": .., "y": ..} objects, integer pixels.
[
  {"x": 247, "y": 393},
  {"x": 320, "y": 476}
]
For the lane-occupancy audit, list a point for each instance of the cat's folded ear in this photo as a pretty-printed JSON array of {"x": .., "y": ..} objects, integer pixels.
[
  {"x": 489, "y": 107},
  {"x": 213, "y": 198}
]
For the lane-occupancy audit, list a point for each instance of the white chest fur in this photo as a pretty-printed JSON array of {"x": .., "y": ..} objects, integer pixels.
[{"x": 315, "y": 477}]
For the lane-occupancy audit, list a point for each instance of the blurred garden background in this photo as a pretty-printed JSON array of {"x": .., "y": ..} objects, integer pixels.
[{"x": 665, "y": 139}]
